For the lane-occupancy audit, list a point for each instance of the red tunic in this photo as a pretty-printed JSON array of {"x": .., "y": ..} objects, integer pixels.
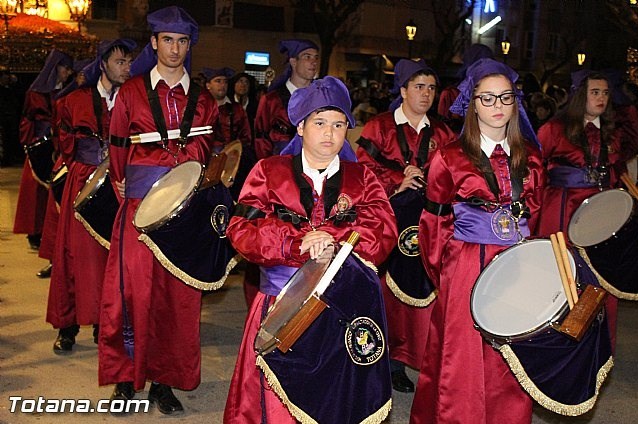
[
  {"x": 407, "y": 325},
  {"x": 556, "y": 145},
  {"x": 462, "y": 378},
  {"x": 76, "y": 278},
  {"x": 32, "y": 197},
  {"x": 273, "y": 129},
  {"x": 163, "y": 311},
  {"x": 267, "y": 242},
  {"x": 232, "y": 125}
]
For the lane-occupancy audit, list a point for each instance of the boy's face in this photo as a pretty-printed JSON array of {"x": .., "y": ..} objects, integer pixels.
[{"x": 323, "y": 135}]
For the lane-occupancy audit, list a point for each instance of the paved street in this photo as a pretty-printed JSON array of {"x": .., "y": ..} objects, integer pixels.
[{"x": 28, "y": 367}]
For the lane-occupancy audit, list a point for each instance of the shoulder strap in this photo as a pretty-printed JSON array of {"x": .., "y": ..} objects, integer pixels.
[
  {"x": 97, "y": 109},
  {"x": 156, "y": 109},
  {"x": 189, "y": 112}
]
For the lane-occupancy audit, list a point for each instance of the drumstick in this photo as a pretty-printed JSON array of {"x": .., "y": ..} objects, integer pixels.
[
  {"x": 567, "y": 264},
  {"x": 153, "y": 137},
  {"x": 561, "y": 270},
  {"x": 336, "y": 263},
  {"x": 631, "y": 187}
]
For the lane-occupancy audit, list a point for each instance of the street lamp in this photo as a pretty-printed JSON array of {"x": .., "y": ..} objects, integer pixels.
[
  {"x": 8, "y": 11},
  {"x": 505, "y": 48},
  {"x": 581, "y": 58},
  {"x": 78, "y": 10},
  {"x": 410, "y": 31}
]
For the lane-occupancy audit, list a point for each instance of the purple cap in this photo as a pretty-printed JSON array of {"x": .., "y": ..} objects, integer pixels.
[
  {"x": 173, "y": 19},
  {"x": 328, "y": 91},
  {"x": 472, "y": 54},
  {"x": 47, "y": 79},
  {"x": 578, "y": 78},
  {"x": 475, "y": 73},
  {"x": 293, "y": 47},
  {"x": 210, "y": 73}
]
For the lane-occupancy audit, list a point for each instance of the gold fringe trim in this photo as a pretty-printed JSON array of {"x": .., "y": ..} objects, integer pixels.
[
  {"x": 542, "y": 398},
  {"x": 409, "y": 300},
  {"x": 101, "y": 240},
  {"x": 375, "y": 418},
  {"x": 183, "y": 276},
  {"x": 365, "y": 262},
  {"x": 604, "y": 284}
]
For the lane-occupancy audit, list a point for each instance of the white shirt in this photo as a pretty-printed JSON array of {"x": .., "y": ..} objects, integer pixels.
[
  {"x": 291, "y": 87},
  {"x": 318, "y": 178},
  {"x": 110, "y": 102},
  {"x": 400, "y": 118},
  {"x": 156, "y": 77},
  {"x": 596, "y": 122},
  {"x": 243, "y": 104},
  {"x": 488, "y": 145},
  {"x": 223, "y": 101}
]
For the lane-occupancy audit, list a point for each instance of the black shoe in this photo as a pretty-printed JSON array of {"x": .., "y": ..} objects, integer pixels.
[
  {"x": 123, "y": 391},
  {"x": 34, "y": 241},
  {"x": 96, "y": 333},
  {"x": 63, "y": 345},
  {"x": 45, "y": 272},
  {"x": 163, "y": 396},
  {"x": 401, "y": 382}
]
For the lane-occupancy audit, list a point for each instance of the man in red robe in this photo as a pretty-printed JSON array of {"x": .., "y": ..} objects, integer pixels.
[
  {"x": 398, "y": 146},
  {"x": 273, "y": 129},
  {"x": 149, "y": 321},
  {"x": 35, "y": 125},
  {"x": 76, "y": 279}
]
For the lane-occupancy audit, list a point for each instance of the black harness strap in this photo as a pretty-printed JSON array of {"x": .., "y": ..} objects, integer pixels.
[
  {"x": 97, "y": 109},
  {"x": 156, "y": 108},
  {"x": 424, "y": 145},
  {"x": 375, "y": 154}
]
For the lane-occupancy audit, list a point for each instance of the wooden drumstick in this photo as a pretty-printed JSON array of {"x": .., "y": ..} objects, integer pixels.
[
  {"x": 561, "y": 270},
  {"x": 631, "y": 187},
  {"x": 567, "y": 264}
]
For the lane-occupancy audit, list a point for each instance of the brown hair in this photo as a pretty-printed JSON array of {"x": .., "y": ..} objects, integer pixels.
[{"x": 471, "y": 137}]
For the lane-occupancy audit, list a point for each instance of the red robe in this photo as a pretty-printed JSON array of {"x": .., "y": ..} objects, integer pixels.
[
  {"x": 76, "y": 278},
  {"x": 272, "y": 124},
  {"x": 407, "y": 325},
  {"x": 559, "y": 204},
  {"x": 163, "y": 311},
  {"x": 269, "y": 241},
  {"x": 32, "y": 197},
  {"x": 231, "y": 125},
  {"x": 462, "y": 378}
]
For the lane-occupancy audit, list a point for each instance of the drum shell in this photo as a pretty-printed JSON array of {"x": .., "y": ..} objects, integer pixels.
[
  {"x": 100, "y": 205},
  {"x": 58, "y": 181},
  {"x": 40, "y": 156}
]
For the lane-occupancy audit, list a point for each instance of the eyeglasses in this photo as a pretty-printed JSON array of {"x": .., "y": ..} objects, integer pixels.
[{"x": 489, "y": 100}]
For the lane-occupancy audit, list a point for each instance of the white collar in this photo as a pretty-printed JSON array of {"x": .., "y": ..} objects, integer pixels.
[
  {"x": 244, "y": 104},
  {"x": 596, "y": 122},
  {"x": 110, "y": 100},
  {"x": 223, "y": 101},
  {"x": 401, "y": 118},
  {"x": 156, "y": 77},
  {"x": 291, "y": 87},
  {"x": 317, "y": 177},
  {"x": 488, "y": 145}
]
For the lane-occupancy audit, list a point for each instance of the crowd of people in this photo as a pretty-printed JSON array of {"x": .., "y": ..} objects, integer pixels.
[{"x": 440, "y": 181}]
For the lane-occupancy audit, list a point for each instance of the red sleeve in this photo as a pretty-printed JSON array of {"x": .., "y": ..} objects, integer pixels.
[
  {"x": 66, "y": 138},
  {"x": 119, "y": 127},
  {"x": 36, "y": 108},
  {"x": 534, "y": 185},
  {"x": 435, "y": 231}
]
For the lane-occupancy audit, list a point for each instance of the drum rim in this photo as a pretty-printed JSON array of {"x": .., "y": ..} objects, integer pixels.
[
  {"x": 79, "y": 204},
  {"x": 178, "y": 209},
  {"x": 540, "y": 328},
  {"x": 585, "y": 204}
]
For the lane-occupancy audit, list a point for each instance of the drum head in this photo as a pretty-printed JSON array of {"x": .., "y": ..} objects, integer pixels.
[
  {"x": 599, "y": 217},
  {"x": 520, "y": 291},
  {"x": 93, "y": 183},
  {"x": 168, "y": 195},
  {"x": 233, "y": 157}
]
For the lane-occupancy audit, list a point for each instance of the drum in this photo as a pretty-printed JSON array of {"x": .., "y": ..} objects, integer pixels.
[
  {"x": 606, "y": 230},
  {"x": 406, "y": 277},
  {"x": 346, "y": 342},
  {"x": 185, "y": 227},
  {"x": 516, "y": 302},
  {"x": 40, "y": 156},
  {"x": 96, "y": 205},
  {"x": 58, "y": 180}
]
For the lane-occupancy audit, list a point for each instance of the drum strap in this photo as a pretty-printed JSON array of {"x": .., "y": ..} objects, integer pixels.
[
  {"x": 158, "y": 115},
  {"x": 97, "y": 109},
  {"x": 490, "y": 178},
  {"x": 424, "y": 145},
  {"x": 248, "y": 212},
  {"x": 376, "y": 155},
  {"x": 330, "y": 192}
]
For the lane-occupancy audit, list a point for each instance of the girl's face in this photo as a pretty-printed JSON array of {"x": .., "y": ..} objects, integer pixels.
[{"x": 494, "y": 101}]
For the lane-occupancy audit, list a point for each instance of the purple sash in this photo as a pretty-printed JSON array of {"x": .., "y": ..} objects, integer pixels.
[
  {"x": 475, "y": 225},
  {"x": 89, "y": 151},
  {"x": 140, "y": 179},
  {"x": 571, "y": 177},
  {"x": 273, "y": 279}
]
